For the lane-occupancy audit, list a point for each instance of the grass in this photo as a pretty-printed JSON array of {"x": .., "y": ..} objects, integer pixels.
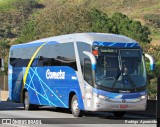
[
  {"x": 151, "y": 8},
  {"x": 6, "y": 5},
  {"x": 156, "y": 34}
]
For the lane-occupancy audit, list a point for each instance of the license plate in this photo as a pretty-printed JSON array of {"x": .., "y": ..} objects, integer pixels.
[{"x": 123, "y": 106}]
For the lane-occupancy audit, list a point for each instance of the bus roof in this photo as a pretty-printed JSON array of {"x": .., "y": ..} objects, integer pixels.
[{"x": 82, "y": 37}]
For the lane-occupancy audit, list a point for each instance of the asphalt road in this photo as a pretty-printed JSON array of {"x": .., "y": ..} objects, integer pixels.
[{"x": 50, "y": 116}]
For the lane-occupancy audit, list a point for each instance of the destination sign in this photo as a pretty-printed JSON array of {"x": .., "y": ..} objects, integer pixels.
[{"x": 108, "y": 50}]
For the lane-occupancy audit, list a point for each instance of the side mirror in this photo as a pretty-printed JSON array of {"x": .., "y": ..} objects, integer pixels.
[
  {"x": 151, "y": 59},
  {"x": 92, "y": 58},
  {"x": 90, "y": 67}
]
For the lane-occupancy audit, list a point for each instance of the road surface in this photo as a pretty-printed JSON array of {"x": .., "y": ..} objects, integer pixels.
[{"x": 15, "y": 113}]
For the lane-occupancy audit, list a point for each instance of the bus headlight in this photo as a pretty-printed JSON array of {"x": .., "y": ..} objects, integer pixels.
[
  {"x": 101, "y": 97},
  {"x": 95, "y": 94},
  {"x": 142, "y": 97},
  {"x": 104, "y": 98}
]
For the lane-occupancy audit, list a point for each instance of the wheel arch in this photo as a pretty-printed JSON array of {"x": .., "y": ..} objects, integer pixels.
[
  {"x": 71, "y": 94},
  {"x": 79, "y": 97}
]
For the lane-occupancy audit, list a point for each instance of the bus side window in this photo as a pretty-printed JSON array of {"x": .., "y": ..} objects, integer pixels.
[
  {"x": 34, "y": 63},
  {"x": 87, "y": 71},
  {"x": 40, "y": 61},
  {"x": 43, "y": 61}
]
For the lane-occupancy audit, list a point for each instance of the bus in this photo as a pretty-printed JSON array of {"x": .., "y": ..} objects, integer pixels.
[{"x": 81, "y": 72}]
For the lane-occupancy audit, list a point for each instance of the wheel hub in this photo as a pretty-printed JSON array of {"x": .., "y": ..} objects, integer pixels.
[{"x": 75, "y": 106}]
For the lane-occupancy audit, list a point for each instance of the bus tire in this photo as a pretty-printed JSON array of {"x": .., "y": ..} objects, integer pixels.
[
  {"x": 35, "y": 107},
  {"x": 27, "y": 105},
  {"x": 74, "y": 107},
  {"x": 119, "y": 114}
]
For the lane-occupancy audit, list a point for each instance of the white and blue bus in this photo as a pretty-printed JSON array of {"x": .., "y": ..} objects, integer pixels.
[{"x": 81, "y": 72}]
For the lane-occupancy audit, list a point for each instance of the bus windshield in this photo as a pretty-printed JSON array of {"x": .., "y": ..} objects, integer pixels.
[{"x": 121, "y": 69}]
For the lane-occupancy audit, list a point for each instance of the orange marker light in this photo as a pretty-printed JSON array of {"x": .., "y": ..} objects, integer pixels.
[{"x": 95, "y": 52}]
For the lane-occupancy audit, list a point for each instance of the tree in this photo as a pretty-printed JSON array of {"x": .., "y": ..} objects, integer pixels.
[
  {"x": 133, "y": 29},
  {"x": 69, "y": 19},
  {"x": 118, "y": 18},
  {"x": 100, "y": 22},
  {"x": 28, "y": 32},
  {"x": 4, "y": 46}
]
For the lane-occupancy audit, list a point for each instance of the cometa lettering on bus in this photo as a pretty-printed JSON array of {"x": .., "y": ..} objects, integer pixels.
[{"x": 55, "y": 75}]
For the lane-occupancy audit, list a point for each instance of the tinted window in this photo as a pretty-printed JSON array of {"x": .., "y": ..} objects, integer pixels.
[
  {"x": 82, "y": 46},
  {"x": 49, "y": 55},
  {"x": 57, "y": 55},
  {"x": 20, "y": 57},
  {"x": 87, "y": 71}
]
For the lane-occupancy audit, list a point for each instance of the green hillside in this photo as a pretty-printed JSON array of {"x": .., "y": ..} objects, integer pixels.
[
  {"x": 46, "y": 13},
  {"x": 145, "y": 11},
  {"x": 7, "y": 5}
]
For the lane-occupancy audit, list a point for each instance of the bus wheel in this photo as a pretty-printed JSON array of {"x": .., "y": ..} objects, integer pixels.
[
  {"x": 119, "y": 114},
  {"x": 74, "y": 107},
  {"x": 27, "y": 105},
  {"x": 34, "y": 106}
]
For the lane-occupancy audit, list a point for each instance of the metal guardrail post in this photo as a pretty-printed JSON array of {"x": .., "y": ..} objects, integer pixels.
[{"x": 158, "y": 102}]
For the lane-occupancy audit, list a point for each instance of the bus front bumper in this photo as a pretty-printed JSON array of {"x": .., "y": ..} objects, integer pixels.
[{"x": 135, "y": 104}]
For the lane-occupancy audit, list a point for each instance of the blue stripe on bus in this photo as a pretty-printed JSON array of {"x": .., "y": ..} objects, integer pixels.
[
  {"x": 45, "y": 85},
  {"x": 117, "y": 44},
  {"x": 43, "y": 91},
  {"x": 119, "y": 95},
  {"x": 152, "y": 66},
  {"x": 93, "y": 66}
]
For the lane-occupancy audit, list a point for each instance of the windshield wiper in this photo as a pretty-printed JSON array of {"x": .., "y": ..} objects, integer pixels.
[
  {"x": 128, "y": 77},
  {"x": 120, "y": 68},
  {"x": 114, "y": 84},
  {"x": 131, "y": 81}
]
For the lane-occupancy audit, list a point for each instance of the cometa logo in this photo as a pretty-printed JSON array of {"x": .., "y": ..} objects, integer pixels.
[{"x": 55, "y": 75}]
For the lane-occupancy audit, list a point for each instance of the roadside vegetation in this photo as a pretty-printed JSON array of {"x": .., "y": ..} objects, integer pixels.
[{"x": 22, "y": 21}]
